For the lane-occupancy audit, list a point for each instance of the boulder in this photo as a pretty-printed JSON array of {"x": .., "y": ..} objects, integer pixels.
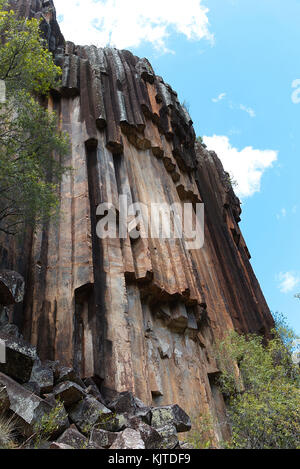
[
  {"x": 11, "y": 330},
  {"x": 30, "y": 408},
  {"x": 4, "y": 399},
  {"x": 42, "y": 375},
  {"x": 171, "y": 415},
  {"x": 72, "y": 437},
  {"x": 113, "y": 422},
  {"x": 103, "y": 438},
  {"x": 88, "y": 413},
  {"x": 33, "y": 388},
  {"x": 69, "y": 393},
  {"x": 12, "y": 287},
  {"x": 149, "y": 435},
  {"x": 169, "y": 437},
  {"x": 20, "y": 358},
  {"x": 68, "y": 374},
  {"x": 129, "y": 439},
  {"x": 60, "y": 446},
  {"x": 92, "y": 390},
  {"x": 126, "y": 402}
]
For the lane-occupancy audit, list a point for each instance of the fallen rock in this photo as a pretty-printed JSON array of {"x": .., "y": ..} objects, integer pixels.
[
  {"x": 92, "y": 390},
  {"x": 11, "y": 330},
  {"x": 12, "y": 287},
  {"x": 60, "y": 446},
  {"x": 126, "y": 402},
  {"x": 103, "y": 438},
  {"x": 4, "y": 319},
  {"x": 129, "y": 439},
  {"x": 33, "y": 388},
  {"x": 113, "y": 422},
  {"x": 4, "y": 399},
  {"x": 69, "y": 393},
  {"x": 20, "y": 358},
  {"x": 72, "y": 437},
  {"x": 149, "y": 435},
  {"x": 89, "y": 412},
  {"x": 68, "y": 374},
  {"x": 171, "y": 415},
  {"x": 169, "y": 437},
  {"x": 30, "y": 408},
  {"x": 42, "y": 375}
]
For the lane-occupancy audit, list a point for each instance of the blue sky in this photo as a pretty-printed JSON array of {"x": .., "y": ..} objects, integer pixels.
[{"x": 234, "y": 62}]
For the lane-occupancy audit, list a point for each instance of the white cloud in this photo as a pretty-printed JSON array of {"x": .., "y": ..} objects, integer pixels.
[
  {"x": 126, "y": 24},
  {"x": 287, "y": 281},
  {"x": 219, "y": 98},
  {"x": 282, "y": 214},
  {"x": 249, "y": 110},
  {"x": 246, "y": 166}
]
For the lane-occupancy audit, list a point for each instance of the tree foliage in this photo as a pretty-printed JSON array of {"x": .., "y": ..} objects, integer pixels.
[
  {"x": 261, "y": 385},
  {"x": 31, "y": 146}
]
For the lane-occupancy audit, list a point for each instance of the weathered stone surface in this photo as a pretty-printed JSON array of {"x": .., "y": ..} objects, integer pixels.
[
  {"x": 126, "y": 402},
  {"x": 113, "y": 422},
  {"x": 88, "y": 413},
  {"x": 103, "y": 438},
  {"x": 20, "y": 358},
  {"x": 42, "y": 375},
  {"x": 33, "y": 387},
  {"x": 4, "y": 399},
  {"x": 129, "y": 439},
  {"x": 92, "y": 390},
  {"x": 11, "y": 330},
  {"x": 141, "y": 315},
  {"x": 12, "y": 287},
  {"x": 150, "y": 436},
  {"x": 171, "y": 415},
  {"x": 69, "y": 393},
  {"x": 68, "y": 374},
  {"x": 169, "y": 437},
  {"x": 60, "y": 446},
  {"x": 28, "y": 407},
  {"x": 72, "y": 437}
]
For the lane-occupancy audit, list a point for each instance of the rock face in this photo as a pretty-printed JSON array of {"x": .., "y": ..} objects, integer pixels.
[{"x": 138, "y": 315}]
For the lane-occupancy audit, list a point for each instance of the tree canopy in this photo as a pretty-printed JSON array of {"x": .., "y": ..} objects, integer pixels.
[
  {"x": 262, "y": 392},
  {"x": 32, "y": 148}
]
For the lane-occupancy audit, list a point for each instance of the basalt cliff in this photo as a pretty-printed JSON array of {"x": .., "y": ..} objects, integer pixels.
[{"x": 140, "y": 315}]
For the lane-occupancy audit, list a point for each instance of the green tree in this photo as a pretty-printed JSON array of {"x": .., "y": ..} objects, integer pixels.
[
  {"x": 261, "y": 387},
  {"x": 32, "y": 147}
]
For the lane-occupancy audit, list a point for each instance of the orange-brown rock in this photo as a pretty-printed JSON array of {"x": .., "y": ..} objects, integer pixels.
[{"x": 140, "y": 316}]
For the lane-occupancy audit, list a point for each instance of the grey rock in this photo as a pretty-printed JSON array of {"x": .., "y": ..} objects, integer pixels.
[
  {"x": 56, "y": 445},
  {"x": 149, "y": 435},
  {"x": 68, "y": 374},
  {"x": 171, "y": 415},
  {"x": 11, "y": 330},
  {"x": 12, "y": 287},
  {"x": 4, "y": 399},
  {"x": 113, "y": 422},
  {"x": 69, "y": 393},
  {"x": 3, "y": 316},
  {"x": 126, "y": 402},
  {"x": 42, "y": 375},
  {"x": 72, "y": 437},
  {"x": 20, "y": 358},
  {"x": 129, "y": 439},
  {"x": 169, "y": 437},
  {"x": 30, "y": 408},
  {"x": 103, "y": 438},
  {"x": 33, "y": 388},
  {"x": 88, "y": 413},
  {"x": 92, "y": 390}
]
